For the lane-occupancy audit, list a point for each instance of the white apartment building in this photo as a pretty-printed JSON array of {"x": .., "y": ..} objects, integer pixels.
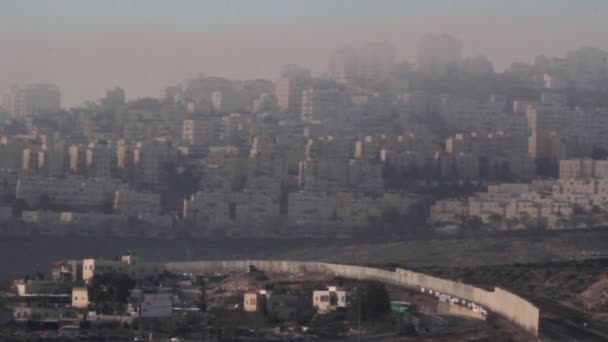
[
  {"x": 583, "y": 168},
  {"x": 80, "y": 297},
  {"x": 552, "y": 202},
  {"x": 331, "y": 299}
]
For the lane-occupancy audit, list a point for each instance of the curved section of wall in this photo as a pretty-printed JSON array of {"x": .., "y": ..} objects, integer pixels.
[{"x": 504, "y": 303}]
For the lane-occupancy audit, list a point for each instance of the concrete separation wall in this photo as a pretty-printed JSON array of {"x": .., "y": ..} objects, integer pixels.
[
  {"x": 447, "y": 308},
  {"x": 504, "y": 303}
]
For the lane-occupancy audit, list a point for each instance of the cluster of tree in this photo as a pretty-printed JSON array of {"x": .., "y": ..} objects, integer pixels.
[
  {"x": 370, "y": 302},
  {"x": 109, "y": 292}
]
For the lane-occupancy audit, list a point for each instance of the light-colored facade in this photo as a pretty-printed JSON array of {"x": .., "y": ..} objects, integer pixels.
[
  {"x": 254, "y": 301},
  {"x": 330, "y": 300},
  {"x": 80, "y": 297},
  {"x": 549, "y": 203},
  {"x": 583, "y": 169},
  {"x": 33, "y": 99},
  {"x": 72, "y": 191}
]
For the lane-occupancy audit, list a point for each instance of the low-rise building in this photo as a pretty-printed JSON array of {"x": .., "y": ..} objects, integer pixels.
[
  {"x": 35, "y": 287},
  {"x": 255, "y": 301},
  {"x": 331, "y": 299},
  {"x": 80, "y": 297},
  {"x": 128, "y": 264}
]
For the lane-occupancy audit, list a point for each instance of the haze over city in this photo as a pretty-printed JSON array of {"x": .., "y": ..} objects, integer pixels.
[
  {"x": 304, "y": 170},
  {"x": 144, "y": 45}
]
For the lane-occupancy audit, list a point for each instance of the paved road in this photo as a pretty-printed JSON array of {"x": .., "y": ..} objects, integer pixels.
[
  {"x": 557, "y": 330},
  {"x": 562, "y": 323}
]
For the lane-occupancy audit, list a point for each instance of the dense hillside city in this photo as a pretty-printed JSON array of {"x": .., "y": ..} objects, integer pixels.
[
  {"x": 202, "y": 170},
  {"x": 375, "y": 145}
]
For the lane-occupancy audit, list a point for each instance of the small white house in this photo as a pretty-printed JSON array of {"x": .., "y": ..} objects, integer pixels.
[
  {"x": 80, "y": 297},
  {"x": 330, "y": 299}
]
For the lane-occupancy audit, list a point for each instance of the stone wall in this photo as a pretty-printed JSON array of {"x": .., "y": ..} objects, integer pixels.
[{"x": 504, "y": 303}]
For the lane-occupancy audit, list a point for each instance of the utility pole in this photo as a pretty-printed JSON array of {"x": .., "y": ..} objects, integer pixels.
[{"x": 358, "y": 313}]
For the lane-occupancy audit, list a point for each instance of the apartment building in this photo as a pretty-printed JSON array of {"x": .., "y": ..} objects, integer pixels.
[
  {"x": 129, "y": 264},
  {"x": 331, "y": 299}
]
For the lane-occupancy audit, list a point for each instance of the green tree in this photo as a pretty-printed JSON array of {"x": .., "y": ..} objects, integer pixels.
[
  {"x": 371, "y": 302},
  {"x": 108, "y": 292},
  {"x": 202, "y": 302}
]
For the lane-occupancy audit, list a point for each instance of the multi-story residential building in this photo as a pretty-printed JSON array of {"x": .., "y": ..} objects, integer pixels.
[
  {"x": 458, "y": 165},
  {"x": 224, "y": 101},
  {"x": 100, "y": 159},
  {"x": 289, "y": 87},
  {"x": 319, "y": 104},
  {"x": 583, "y": 168},
  {"x": 113, "y": 100},
  {"x": 201, "y": 131},
  {"x": 77, "y": 158},
  {"x": 342, "y": 209},
  {"x": 344, "y": 64},
  {"x": 128, "y": 263},
  {"x": 375, "y": 61},
  {"x": 552, "y": 203},
  {"x": 438, "y": 53},
  {"x": 487, "y": 145},
  {"x": 448, "y": 211},
  {"x": 370, "y": 63},
  {"x": 11, "y": 153},
  {"x": 251, "y": 211},
  {"x": 149, "y": 160},
  {"x": 33, "y": 99},
  {"x": 35, "y": 287},
  {"x": 72, "y": 192},
  {"x": 135, "y": 203},
  {"x": 331, "y": 299}
]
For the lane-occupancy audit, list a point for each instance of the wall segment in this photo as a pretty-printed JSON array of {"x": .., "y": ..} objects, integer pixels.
[{"x": 504, "y": 303}]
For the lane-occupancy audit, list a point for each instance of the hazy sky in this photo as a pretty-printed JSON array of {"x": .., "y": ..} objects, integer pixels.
[{"x": 87, "y": 46}]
